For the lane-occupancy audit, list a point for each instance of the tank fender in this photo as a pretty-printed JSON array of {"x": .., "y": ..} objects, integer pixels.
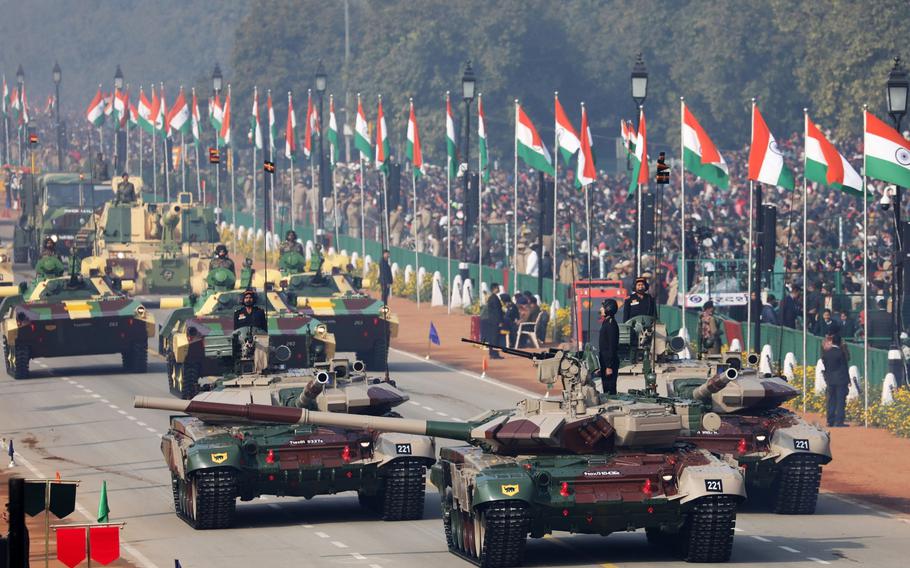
[
  {"x": 714, "y": 478},
  {"x": 390, "y": 446},
  {"x": 212, "y": 455},
  {"x": 801, "y": 438},
  {"x": 515, "y": 485}
]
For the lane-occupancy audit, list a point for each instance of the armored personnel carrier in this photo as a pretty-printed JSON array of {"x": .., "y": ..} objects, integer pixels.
[
  {"x": 196, "y": 340},
  {"x": 155, "y": 248},
  {"x": 582, "y": 463},
  {"x": 72, "y": 315},
  {"x": 7, "y": 280},
  {"x": 777, "y": 450},
  {"x": 216, "y": 459},
  {"x": 361, "y": 324}
]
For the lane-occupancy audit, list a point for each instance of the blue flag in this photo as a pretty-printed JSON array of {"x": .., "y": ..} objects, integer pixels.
[
  {"x": 12, "y": 452},
  {"x": 434, "y": 335}
]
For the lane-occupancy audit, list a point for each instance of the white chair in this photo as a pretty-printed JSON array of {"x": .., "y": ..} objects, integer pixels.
[{"x": 530, "y": 330}]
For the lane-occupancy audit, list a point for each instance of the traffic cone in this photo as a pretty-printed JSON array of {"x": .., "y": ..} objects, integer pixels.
[
  {"x": 483, "y": 366},
  {"x": 57, "y": 476}
]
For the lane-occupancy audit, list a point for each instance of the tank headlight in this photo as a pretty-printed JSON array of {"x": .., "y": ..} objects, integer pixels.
[
  {"x": 761, "y": 438},
  {"x": 192, "y": 331},
  {"x": 120, "y": 255},
  {"x": 364, "y": 445},
  {"x": 140, "y": 311},
  {"x": 321, "y": 329},
  {"x": 384, "y": 311},
  {"x": 668, "y": 477}
]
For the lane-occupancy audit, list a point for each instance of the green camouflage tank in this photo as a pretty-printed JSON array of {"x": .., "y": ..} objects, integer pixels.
[
  {"x": 196, "y": 339},
  {"x": 580, "y": 463},
  {"x": 69, "y": 316}
]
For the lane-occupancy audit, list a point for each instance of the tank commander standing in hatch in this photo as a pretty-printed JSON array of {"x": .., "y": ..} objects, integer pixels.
[
  {"x": 249, "y": 314},
  {"x": 221, "y": 260},
  {"x": 49, "y": 265},
  {"x": 290, "y": 244},
  {"x": 608, "y": 345},
  {"x": 640, "y": 303},
  {"x": 126, "y": 191}
]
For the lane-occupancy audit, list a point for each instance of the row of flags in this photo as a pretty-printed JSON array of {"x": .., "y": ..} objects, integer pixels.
[
  {"x": 887, "y": 154},
  {"x": 15, "y": 104}
]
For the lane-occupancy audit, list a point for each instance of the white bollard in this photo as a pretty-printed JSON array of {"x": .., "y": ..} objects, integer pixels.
[
  {"x": 735, "y": 346},
  {"x": 484, "y": 289},
  {"x": 853, "y": 390},
  {"x": 467, "y": 292},
  {"x": 421, "y": 276},
  {"x": 820, "y": 385},
  {"x": 764, "y": 362},
  {"x": 888, "y": 388},
  {"x": 455, "y": 299},
  {"x": 790, "y": 366},
  {"x": 395, "y": 270},
  {"x": 367, "y": 264},
  {"x": 556, "y": 305},
  {"x": 437, "y": 299},
  {"x": 408, "y": 273}
]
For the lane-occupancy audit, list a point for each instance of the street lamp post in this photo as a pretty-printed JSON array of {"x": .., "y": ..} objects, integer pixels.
[
  {"x": 20, "y": 81},
  {"x": 58, "y": 75},
  {"x": 468, "y": 85},
  {"x": 639, "y": 94},
  {"x": 320, "y": 90},
  {"x": 896, "y": 94},
  {"x": 119, "y": 166}
]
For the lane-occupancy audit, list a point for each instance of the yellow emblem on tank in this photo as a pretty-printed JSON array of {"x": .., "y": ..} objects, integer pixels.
[
  {"x": 219, "y": 458},
  {"x": 509, "y": 490}
]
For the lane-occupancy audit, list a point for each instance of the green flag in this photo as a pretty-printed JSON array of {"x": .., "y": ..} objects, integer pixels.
[{"x": 103, "y": 509}]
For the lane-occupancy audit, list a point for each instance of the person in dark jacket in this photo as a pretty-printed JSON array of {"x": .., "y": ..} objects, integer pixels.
[
  {"x": 790, "y": 308},
  {"x": 510, "y": 319},
  {"x": 640, "y": 303},
  {"x": 847, "y": 326},
  {"x": 249, "y": 314},
  {"x": 491, "y": 319},
  {"x": 608, "y": 346},
  {"x": 385, "y": 276},
  {"x": 827, "y": 326},
  {"x": 837, "y": 377}
]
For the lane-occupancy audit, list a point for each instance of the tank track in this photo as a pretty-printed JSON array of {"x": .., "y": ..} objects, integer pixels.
[
  {"x": 404, "y": 491},
  {"x": 215, "y": 502},
  {"x": 795, "y": 488},
  {"x": 505, "y": 534},
  {"x": 707, "y": 535}
]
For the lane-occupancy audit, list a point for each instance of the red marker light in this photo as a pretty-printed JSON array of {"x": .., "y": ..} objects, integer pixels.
[
  {"x": 564, "y": 489},
  {"x": 650, "y": 509},
  {"x": 346, "y": 453},
  {"x": 270, "y": 457},
  {"x": 589, "y": 517},
  {"x": 646, "y": 488},
  {"x": 271, "y": 477},
  {"x": 349, "y": 474},
  {"x": 565, "y": 512},
  {"x": 741, "y": 446}
]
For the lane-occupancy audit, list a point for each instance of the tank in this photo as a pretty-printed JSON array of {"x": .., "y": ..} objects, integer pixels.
[
  {"x": 780, "y": 452},
  {"x": 69, "y": 316},
  {"x": 196, "y": 339},
  {"x": 360, "y": 323},
  {"x": 216, "y": 459},
  {"x": 154, "y": 248},
  {"x": 579, "y": 463}
]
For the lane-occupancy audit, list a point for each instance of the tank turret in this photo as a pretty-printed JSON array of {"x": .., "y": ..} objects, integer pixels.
[
  {"x": 220, "y": 279},
  {"x": 733, "y": 391}
]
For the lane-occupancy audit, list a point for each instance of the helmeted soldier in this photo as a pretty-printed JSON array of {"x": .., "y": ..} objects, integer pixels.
[
  {"x": 290, "y": 243},
  {"x": 126, "y": 191},
  {"x": 221, "y": 260},
  {"x": 49, "y": 265},
  {"x": 640, "y": 302},
  {"x": 608, "y": 346}
]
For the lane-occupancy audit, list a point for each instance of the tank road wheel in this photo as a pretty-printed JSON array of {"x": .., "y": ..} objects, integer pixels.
[
  {"x": 447, "y": 515},
  {"x": 171, "y": 369},
  {"x": 376, "y": 358},
  {"x": 707, "y": 532},
  {"x": 186, "y": 376},
  {"x": 403, "y": 492},
  {"x": 7, "y": 357},
  {"x": 176, "y": 490},
  {"x": 139, "y": 357},
  {"x": 20, "y": 361},
  {"x": 499, "y": 532},
  {"x": 210, "y": 499},
  {"x": 795, "y": 489}
]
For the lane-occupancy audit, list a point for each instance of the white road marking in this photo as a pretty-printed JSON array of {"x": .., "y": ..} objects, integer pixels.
[
  {"x": 133, "y": 418},
  {"x": 428, "y": 408},
  {"x": 152, "y": 430},
  {"x": 737, "y": 529},
  {"x": 761, "y": 538},
  {"x": 114, "y": 406},
  {"x": 307, "y": 526},
  {"x": 414, "y": 403},
  {"x": 88, "y": 391},
  {"x": 321, "y": 534},
  {"x": 123, "y": 412},
  {"x": 788, "y": 549},
  {"x": 140, "y": 423},
  {"x": 96, "y": 396},
  {"x": 339, "y": 544},
  {"x": 441, "y": 414},
  {"x": 375, "y": 566},
  {"x": 358, "y": 556},
  {"x": 105, "y": 401},
  {"x": 819, "y": 560}
]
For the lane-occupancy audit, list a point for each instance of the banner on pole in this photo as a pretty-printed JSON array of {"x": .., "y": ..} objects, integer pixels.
[{"x": 71, "y": 546}]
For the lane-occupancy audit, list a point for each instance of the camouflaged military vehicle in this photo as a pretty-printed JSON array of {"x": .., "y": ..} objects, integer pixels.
[
  {"x": 7, "y": 279},
  {"x": 155, "y": 248},
  {"x": 196, "y": 339},
  {"x": 778, "y": 451},
  {"x": 579, "y": 463},
  {"x": 68, "y": 316},
  {"x": 361, "y": 324},
  {"x": 215, "y": 459}
]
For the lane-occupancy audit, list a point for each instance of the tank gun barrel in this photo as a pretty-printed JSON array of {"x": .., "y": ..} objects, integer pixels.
[
  {"x": 517, "y": 352},
  {"x": 289, "y": 415},
  {"x": 715, "y": 384},
  {"x": 313, "y": 389}
]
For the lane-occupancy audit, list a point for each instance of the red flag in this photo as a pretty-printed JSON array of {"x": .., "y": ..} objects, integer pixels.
[
  {"x": 105, "y": 544},
  {"x": 71, "y": 546}
]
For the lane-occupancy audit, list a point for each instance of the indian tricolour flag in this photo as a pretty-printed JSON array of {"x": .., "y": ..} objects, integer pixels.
[
  {"x": 585, "y": 172},
  {"x": 290, "y": 131},
  {"x": 640, "y": 172},
  {"x": 120, "y": 105},
  {"x": 700, "y": 155},
  {"x": 95, "y": 112},
  {"x": 887, "y": 153},
  {"x": 766, "y": 162},
  {"x": 528, "y": 144},
  {"x": 179, "y": 117},
  {"x": 451, "y": 151},
  {"x": 255, "y": 134},
  {"x": 196, "y": 120},
  {"x": 147, "y": 112},
  {"x": 5, "y": 97},
  {"x": 567, "y": 139},
  {"x": 484, "y": 156},
  {"x": 224, "y": 135},
  {"x": 309, "y": 131},
  {"x": 362, "y": 134},
  {"x": 627, "y": 133},
  {"x": 332, "y": 134},
  {"x": 382, "y": 141},
  {"x": 216, "y": 114},
  {"x": 413, "y": 148},
  {"x": 273, "y": 125},
  {"x": 825, "y": 165}
]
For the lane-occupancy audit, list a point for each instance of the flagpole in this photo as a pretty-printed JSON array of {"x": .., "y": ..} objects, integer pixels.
[
  {"x": 682, "y": 286},
  {"x": 413, "y": 230},
  {"x": 126, "y": 111},
  {"x": 644, "y": 159},
  {"x": 515, "y": 204},
  {"x": 805, "y": 248},
  {"x": 182, "y": 162},
  {"x": 292, "y": 135},
  {"x": 480, "y": 173},
  {"x": 335, "y": 206},
  {"x": 140, "y": 134},
  {"x": 164, "y": 132},
  {"x": 154, "y": 159},
  {"x": 314, "y": 192},
  {"x": 865, "y": 285},
  {"x": 448, "y": 217},
  {"x": 555, "y": 193},
  {"x": 385, "y": 206},
  {"x": 255, "y": 190},
  {"x": 363, "y": 224},
  {"x": 233, "y": 192},
  {"x": 748, "y": 345}
]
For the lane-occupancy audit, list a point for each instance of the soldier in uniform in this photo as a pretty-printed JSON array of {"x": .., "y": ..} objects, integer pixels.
[
  {"x": 126, "y": 191},
  {"x": 249, "y": 314},
  {"x": 221, "y": 260},
  {"x": 608, "y": 345},
  {"x": 290, "y": 243},
  {"x": 640, "y": 302},
  {"x": 49, "y": 265}
]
